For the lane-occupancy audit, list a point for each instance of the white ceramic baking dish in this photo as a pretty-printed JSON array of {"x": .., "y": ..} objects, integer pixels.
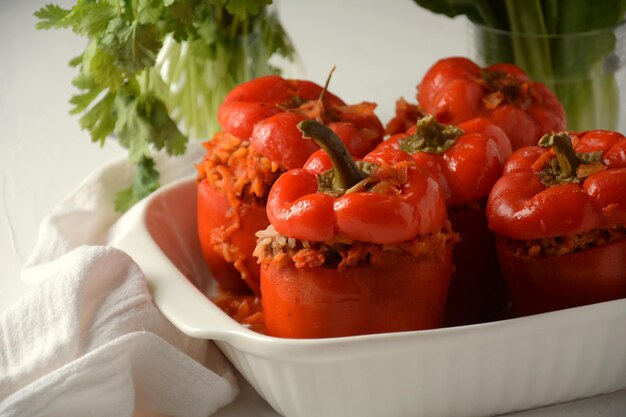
[{"x": 477, "y": 370}]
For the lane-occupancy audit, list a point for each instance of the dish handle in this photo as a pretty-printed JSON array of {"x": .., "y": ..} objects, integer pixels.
[{"x": 176, "y": 297}]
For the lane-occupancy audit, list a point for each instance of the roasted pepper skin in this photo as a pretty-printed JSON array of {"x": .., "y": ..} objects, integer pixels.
[
  {"x": 403, "y": 294},
  {"x": 468, "y": 169},
  {"x": 256, "y": 100},
  {"x": 456, "y": 89},
  {"x": 542, "y": 284},
  {"x": 297, "y": 210},
  {"x": 395, "y": 291},
  {"x": 521, "y": 207},
  {"x": 466, "y": 172},
  {"x": 266, "y": 110},
  {"x": 238, "y": 271}
]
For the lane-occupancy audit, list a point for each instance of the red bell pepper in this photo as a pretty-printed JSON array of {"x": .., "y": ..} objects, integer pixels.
[
  {"x": 232, "y": 187},
  {"x": 296, "y": 208},
  {"x": 266, "y": 110},
  {"x": 256, "y": 100},
  {"x": 456, "y": 89},
  {"x": 559, "y": 211},
  {"x": 466, "y": 160},
  {"x": 383, "y": 216},
  {"x": 259, "y": 141}
]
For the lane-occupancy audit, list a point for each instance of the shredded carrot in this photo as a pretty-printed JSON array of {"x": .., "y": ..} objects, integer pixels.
[
  {"x": 542, "y": 161},
  {"x": 233, "y": 167},
  {"x": 244, "y": 176},
  {"x": 245, "y": 309}
]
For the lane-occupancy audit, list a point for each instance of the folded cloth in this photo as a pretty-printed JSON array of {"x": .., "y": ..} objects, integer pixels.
[{"x": 88, "y": 340}]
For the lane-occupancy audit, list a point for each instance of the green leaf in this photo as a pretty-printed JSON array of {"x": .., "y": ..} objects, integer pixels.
[
  {"x": 76, "y": 61},
  {"x": 244, "y": 8},
  {"x": 99, "y": 120},
  {"x": 585, "y": 15},
  {"x": 179, "y": 18},
  {"x": 143, "y": 120},
  {"x": 82, "y": 101},
  {"x": 478, "y": 11},
  {"x": 145, "y": 181},
  {"x": 52, "y": 16},
  {"x": 85, "y": 18},
  {"x": 132, "y": 46},
  {"x": 91, "y": 18},
  {"x": 131, "y": 126},
  {"x": 275, "y": 39},
  {"x": 165, "y": 133},
  {"x": 149, "y": 11},
  {"x": 208, "y": 32},
  {"x": 104, "y": 70}
]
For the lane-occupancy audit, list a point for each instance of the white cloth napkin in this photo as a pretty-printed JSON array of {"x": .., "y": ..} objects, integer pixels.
[{"x": 87, "y": 340}]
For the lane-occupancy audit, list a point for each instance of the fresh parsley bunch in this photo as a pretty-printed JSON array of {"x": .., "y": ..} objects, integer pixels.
[{"x": 123, "y": 91}]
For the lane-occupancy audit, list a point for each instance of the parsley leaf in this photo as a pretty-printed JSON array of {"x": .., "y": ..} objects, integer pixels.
[
  {"x": 165, "y": 133},
  {"x": 242, "y": 8},
  {"x": 91, "y": 18},
  {"x": 52, "y": 16},
  {"x": 99, "y": 120},
  {"x": 145, "y": 181},
  {"x": 132, "y": 126},
  {"x": 132, "y": 45},
  {"x": 142, "y": 120}
]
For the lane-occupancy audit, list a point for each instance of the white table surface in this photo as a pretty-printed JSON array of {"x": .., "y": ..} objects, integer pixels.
[{"x": 380, "y": 51}]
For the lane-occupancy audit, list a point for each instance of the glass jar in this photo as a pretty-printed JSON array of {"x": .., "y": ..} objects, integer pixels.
[
  {"x": 192, "y": 77},
  {"x": 586, "y": 70}
]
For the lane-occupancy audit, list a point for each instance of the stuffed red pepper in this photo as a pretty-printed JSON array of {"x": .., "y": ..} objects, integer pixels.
[
  {"x": 466, "y": 160},
  {"x": 259, "y": 141},
  {"x": 559, "y": 212},
  {"x": 455, "y": 90},
  {"x": 354, "y": 247}
]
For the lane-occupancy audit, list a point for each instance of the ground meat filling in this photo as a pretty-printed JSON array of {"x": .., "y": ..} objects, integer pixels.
[
  {"x": 563, "y": 245},
  {"x": 234, "y": 168},
  {"x": 344, "y": 253}
]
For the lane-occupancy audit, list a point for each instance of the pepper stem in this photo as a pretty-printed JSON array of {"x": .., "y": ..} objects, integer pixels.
[
  {"x": 431, "y": 136},
  {"x": 326, "y": 84},
  {"x": 561, "y": 145},
  {"x": 568, "y": 166},
  {"x": 347, "y": 173}
]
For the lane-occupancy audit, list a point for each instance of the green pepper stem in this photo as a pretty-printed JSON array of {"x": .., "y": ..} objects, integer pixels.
[
  {"x": 431, "y": 136},
  {"x": 561, "y": 145},
  {"x": 347, "y": 174}
]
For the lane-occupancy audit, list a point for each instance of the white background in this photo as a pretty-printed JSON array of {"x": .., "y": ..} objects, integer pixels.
[{"x": 381, "y": 49}]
